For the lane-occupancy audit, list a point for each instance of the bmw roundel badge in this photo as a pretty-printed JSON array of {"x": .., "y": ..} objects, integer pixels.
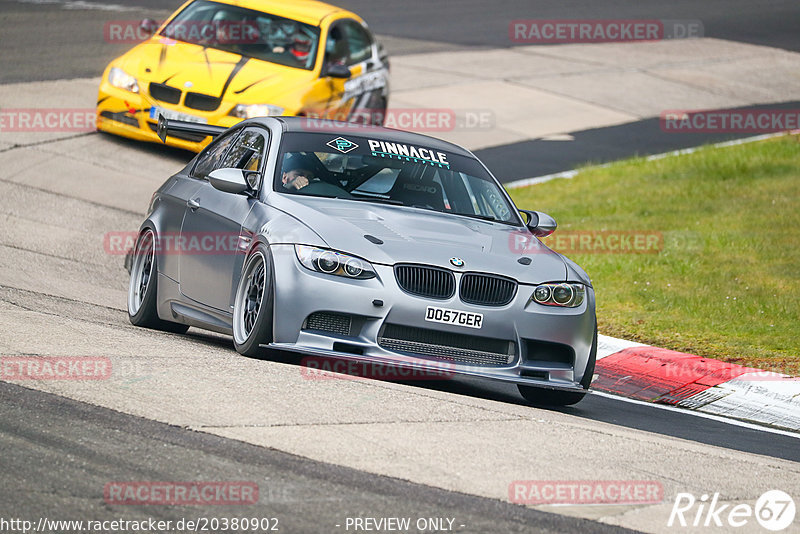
[{"x": 457, "y": 262}]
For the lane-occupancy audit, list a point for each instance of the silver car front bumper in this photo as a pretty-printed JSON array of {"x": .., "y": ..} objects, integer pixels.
[{"x": 379, "y": 304}]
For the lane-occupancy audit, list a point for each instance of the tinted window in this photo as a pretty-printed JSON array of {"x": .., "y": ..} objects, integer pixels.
[
  {"x": 247, "y": 153},
  {"x": 212, "y": 156},
  {"x": 336, "y": 51},
  {"x": 385, "y": 172},
  {"x": 348, "y": 43},
  {"x": 359, "y": 43},
  {"x": 246, "y": 32}
]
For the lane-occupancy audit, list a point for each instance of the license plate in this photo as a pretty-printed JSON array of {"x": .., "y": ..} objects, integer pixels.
[
  {"x": 456, "y": 317},
  {"x": 155, "y": 111}
]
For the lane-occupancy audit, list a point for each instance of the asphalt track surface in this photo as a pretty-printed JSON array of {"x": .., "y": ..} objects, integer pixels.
[
  {"x": 32, "y": 32},
  {"x": 64, "y": 453},
  {"x": 540, "y": 157},
  {"x": 57, "y": 453}
]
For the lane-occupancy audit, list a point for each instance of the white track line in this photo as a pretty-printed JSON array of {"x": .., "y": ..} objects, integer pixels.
[
  {"x": 571, "y": 174},
  {"x": 720, "y": 419}
]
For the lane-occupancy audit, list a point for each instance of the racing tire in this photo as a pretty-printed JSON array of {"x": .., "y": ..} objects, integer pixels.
[
  {"x": 253, "y": 305},
  {"x": 378, "y": 115},
  {"x": 143, "y": 287},
  {"x": 553, "y": 397}
]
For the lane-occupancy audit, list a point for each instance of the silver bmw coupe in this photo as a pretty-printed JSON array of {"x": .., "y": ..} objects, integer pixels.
[{"x": 366, "y": 244}]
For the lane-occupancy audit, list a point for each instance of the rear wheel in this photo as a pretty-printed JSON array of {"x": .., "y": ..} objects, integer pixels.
[
  {"x": 378, "y": 113},
  {"x": 552, "y": 397},
  {"x": 143, "y": 288},
  {"x": 372, "y": 114},
  {"x": 252, "y": 309}
]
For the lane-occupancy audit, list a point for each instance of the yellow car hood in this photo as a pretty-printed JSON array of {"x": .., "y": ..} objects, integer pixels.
[{"x": 213, "y": 72}]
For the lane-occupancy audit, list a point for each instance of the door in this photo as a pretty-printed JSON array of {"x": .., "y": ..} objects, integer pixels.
[
  {"x": 362, "y": 100},
  {"x": 349, "y": 44},
  {"x": 212, "y": 227},
  {"x": 177, "y": 197}
]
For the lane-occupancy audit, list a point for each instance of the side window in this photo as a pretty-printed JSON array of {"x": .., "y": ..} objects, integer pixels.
[
  {"x": 359, "y": 43},
  {"x": 212, "y": 156},
  {"x": 248, "y": 152},
  {"x": 489, "y": 201},
  {"x": 336, "y": 46}
]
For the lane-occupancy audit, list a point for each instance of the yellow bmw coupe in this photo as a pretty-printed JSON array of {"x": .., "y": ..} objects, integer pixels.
[{"x": 219, "y": 62}]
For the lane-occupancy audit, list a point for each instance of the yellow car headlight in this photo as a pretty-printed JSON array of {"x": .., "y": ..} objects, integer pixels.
[
  {"x": 243, "y": 111},
  {"x": 119, "y": 78}
]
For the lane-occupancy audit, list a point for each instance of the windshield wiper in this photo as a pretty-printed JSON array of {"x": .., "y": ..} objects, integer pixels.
[
  {"x": 488, "y": 218},
  {"x": 377, "y": 199},
  {"x": 478, "y": 216}
]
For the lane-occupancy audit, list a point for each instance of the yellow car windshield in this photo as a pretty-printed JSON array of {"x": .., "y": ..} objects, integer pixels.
[{"x": 246, "y": 32}]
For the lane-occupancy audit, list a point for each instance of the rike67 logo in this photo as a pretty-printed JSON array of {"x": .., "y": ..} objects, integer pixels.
[{"x": 774, "y": 510}]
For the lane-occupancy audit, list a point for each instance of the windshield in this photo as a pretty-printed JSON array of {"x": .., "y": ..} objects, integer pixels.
[
  {"x": 246, "y": 32},
  {"x": 370, "y": 170}
]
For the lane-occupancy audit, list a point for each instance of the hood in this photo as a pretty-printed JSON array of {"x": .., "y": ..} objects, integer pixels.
[
  {"x": 212, "y": 72},
  {"x": 411, "y": 235}
]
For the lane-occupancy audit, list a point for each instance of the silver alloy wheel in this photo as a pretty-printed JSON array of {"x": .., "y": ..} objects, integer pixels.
[
  {"x": 249, "y": 298},
  {"x": 141, "y": 272}
]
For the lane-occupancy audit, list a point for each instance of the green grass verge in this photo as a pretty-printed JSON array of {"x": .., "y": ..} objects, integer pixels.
[{"x": 724, "y": 281}]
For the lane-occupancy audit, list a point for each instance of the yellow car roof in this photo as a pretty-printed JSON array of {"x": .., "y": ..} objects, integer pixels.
[{"x": 308, "y": 11}]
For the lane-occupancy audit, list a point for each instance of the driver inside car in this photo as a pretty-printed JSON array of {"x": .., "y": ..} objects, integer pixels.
[
  {"x": 300, "y": 174},
  {"x": 296, "y": 174}
]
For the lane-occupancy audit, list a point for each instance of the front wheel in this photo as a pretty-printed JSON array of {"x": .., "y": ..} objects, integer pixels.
[
  {"x": 252, "y": 308},
  {"x": 143, "y": 288},
  {"x": 552, "y": 397}
]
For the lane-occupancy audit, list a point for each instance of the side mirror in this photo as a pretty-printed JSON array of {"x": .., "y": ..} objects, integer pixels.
[
  {"x": 337, "y": 71},
  {"x": 541, "y": 224},
  {"x": 234, "y": 181},
  {"x": 149, "y": 26}
]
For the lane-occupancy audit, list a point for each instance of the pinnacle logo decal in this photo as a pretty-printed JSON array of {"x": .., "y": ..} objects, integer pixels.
[
  {"x": 342, "y": 145},
  {"x": 385, "y": 149}
]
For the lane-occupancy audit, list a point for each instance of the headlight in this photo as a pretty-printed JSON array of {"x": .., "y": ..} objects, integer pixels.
[
  {"x": 564, "y": 295},
  {"x": 119, "y": 78},
  {"x": 332, "y": 262},
  {"x": 242, "y": 111}
]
